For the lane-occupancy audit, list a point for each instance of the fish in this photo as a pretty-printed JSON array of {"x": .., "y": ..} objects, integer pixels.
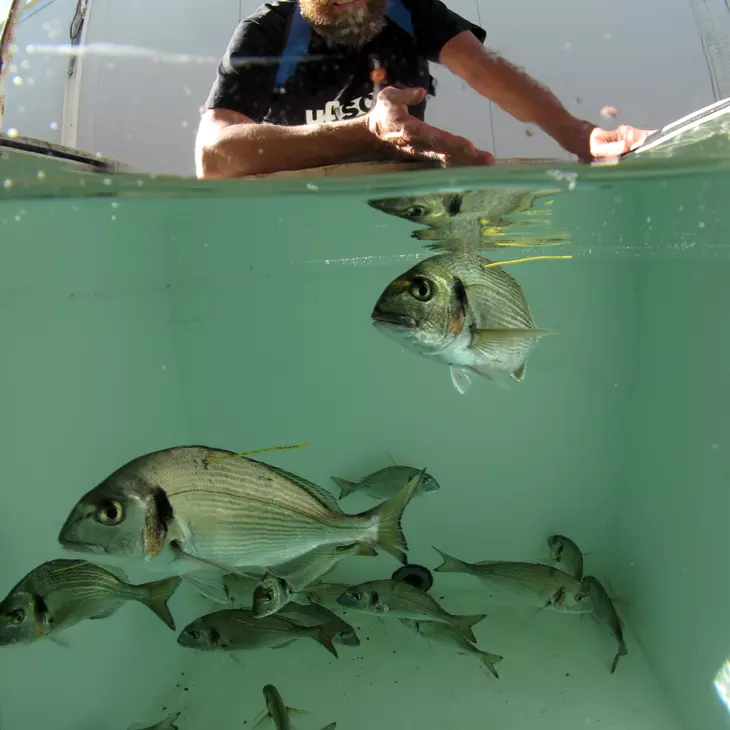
[
  {"x": 605, "y": 613},
  {"x": 326, "y": 594},
  {"x": 237, "y": 628},
  {"x": 279, "y": 713},
  {"x": 545, "y": 586},
  {"x": 272, "y": 593},
  {"x": 563, "y": 550},
  {"x": 60, "y": 593},
  {"x": 385, "y": 483},
  {"x": 167, "y": 724},
  {"x": 447, "y": 634},
  {"x": 312, "y": 614},
  {"x": 452, "y": 309},
  {"x": 404, "y": 600},
  {"x": 194, "y": 505},
  {"x": 241, "y": 588}
]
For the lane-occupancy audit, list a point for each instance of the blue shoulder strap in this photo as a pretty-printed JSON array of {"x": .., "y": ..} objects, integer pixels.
[{"x": 300, "y": 33}]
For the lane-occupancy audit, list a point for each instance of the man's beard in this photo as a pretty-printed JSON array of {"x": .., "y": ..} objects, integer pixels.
[{"x": 352, "y": 28}]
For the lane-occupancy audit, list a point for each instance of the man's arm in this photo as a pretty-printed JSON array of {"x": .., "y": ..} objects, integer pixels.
[
  {"x": 516, "y": 92},
  {"x": 230, "y": 144}
]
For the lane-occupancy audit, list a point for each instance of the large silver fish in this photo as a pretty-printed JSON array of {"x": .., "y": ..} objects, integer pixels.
[
  {"x": 564, "y": 551},
  {"x": 279, "y": 713},
  {"x": 61, "y": 593},
  {"x": 605, "y": 613},
  {"x": 545, "y": 586},
  {"x": 210, "y": 506},
  {"x": 235, "y": 629},
  {"x": 452, "y": 309},
  {"x": 403, "y": 600},
  {"x": 384, "y": 483},
  {"x": 447, "y": 634}
]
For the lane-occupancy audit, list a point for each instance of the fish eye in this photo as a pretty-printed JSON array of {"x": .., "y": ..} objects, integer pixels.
[
  {"x": 580, "y": 597},
  {"x": 421, "y": 289},
  {"x": 415, "y": 211},
  {"x": 110, "y": 513},
  {"x": 214, "y": 637},
  {"x": 268, "y": 595},
  {"x": 356, "y": 595},
  {"x": 194, "y": 635},
  {"x": 17, "y": 616}
]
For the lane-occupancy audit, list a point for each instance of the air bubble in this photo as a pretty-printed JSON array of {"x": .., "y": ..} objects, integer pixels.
[
  {"x": 13, "y": 133},
  {"x": 31, "y": 82},
  {"x": 114, "y": 218},
  {"x": 25, "y": 63},
  {"x": 107, "y": 181},
  {"x": 21, "y": 110},
  {"x": 7, "y": 183},
  {"x": 17, "y": 80},
  {"x": 41, "y": 175},
  {"x": 54, "y": 126},
  {"x": 115, "y": 204}
]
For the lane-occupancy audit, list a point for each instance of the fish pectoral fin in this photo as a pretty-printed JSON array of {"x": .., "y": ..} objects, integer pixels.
[
  {"x": 485, "y": 342},
  {"x": 182, "y": 555},
  {"x": 208, "y": 584},
  {"x": 304, "y": 570},
  {"x": 263, "y": 720},
  {"x": 461, "y": 379},
  {"x": 295, "y": 712},
  {"x": 285, "y": 643},
  {"x": 60, "y": 641},
  {"x": 106, "y": 612}
]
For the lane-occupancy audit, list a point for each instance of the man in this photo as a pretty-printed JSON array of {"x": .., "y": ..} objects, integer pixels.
[{"x": 300, "y": 86}]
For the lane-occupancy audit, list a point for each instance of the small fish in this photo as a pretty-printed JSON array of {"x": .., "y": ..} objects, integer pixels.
[
  {"x": 445, "y": 633},
  {"x": 313, "y": 614},
  {"x": 167, "y": 724},
  {"x": 605, "y": 613},
  {"x": 210, "y": 507},
  {"x": 384, "y": 483},
  {"x": 454, "y": 310},
  {"x": 545, "y": 586},
  {"x": 403, "y": 600},
  {"x": 279, "y": 713},
  {"x": 326, "y": 594},
  {"x": 563, "y": 550},
  {"x": 61, "y": 593},
  {"x": 272, "y": 593},
  {"x": 241, "y": 588},
  {"x": 235, "y": 629}
]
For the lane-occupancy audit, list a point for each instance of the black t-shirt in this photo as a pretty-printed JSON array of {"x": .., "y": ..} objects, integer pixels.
[{"x": 335, "y": 84}]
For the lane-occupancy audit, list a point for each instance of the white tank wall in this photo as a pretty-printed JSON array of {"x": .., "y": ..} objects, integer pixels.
[{"x": 145, "y": 113}]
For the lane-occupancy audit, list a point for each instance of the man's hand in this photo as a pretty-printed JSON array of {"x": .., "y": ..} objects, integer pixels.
[
  {"x": 390, "y": 122},
  {"x": 606, "y": 143}
]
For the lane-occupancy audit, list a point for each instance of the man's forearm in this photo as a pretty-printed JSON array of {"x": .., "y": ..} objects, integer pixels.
[
  {"x": 516, "y": 92},
  {"x": 254, "y": 149}
]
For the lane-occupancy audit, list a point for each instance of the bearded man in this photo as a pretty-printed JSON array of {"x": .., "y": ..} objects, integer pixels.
[{"x": 305, "y": 83}]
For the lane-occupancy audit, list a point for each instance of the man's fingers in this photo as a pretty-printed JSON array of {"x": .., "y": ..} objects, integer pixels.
[{"x": 404, "y": 96}]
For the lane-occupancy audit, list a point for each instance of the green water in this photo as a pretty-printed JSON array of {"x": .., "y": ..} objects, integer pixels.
[{"x": 237, "y": 315}]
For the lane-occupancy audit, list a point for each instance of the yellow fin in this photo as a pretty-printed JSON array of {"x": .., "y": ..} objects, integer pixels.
[
  {"x": 257, "y": 451},
  {"x": 519, "y": 261}
]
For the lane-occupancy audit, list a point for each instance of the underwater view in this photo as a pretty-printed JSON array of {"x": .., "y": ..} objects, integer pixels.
[
  {"x": 321, "y": 410},
  {"x": 419, "y": 450}
]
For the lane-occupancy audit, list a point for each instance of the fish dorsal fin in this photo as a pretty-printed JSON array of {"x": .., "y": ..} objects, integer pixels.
[
  {"x": 319, "y": 493},
  {"x": 208, "y": 584},
  {"x": 519, "y": 374}
]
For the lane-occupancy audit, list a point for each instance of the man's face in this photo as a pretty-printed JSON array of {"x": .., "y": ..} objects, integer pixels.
[{"x": 345, "y": 22}]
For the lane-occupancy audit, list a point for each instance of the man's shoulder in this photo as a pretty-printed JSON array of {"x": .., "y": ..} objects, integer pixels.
[{"x": 272, "y": 12}]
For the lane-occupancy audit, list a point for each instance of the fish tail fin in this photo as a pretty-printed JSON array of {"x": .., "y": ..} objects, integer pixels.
[
  {"x": 450, "y": 565},
  {"x": 463, "y": 625},
  {"x": 157, "y": 594},
  {"x": 324, "y": 634},
  {"x": 490, "y": 660},
  {"x": 366, "y": 549},
  {"x": 346, "y": 487},
  {"x": 390, "y": 533}
]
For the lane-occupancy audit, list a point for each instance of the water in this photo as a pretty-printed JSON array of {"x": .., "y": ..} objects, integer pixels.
[{"x": 141, "y": 313}]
